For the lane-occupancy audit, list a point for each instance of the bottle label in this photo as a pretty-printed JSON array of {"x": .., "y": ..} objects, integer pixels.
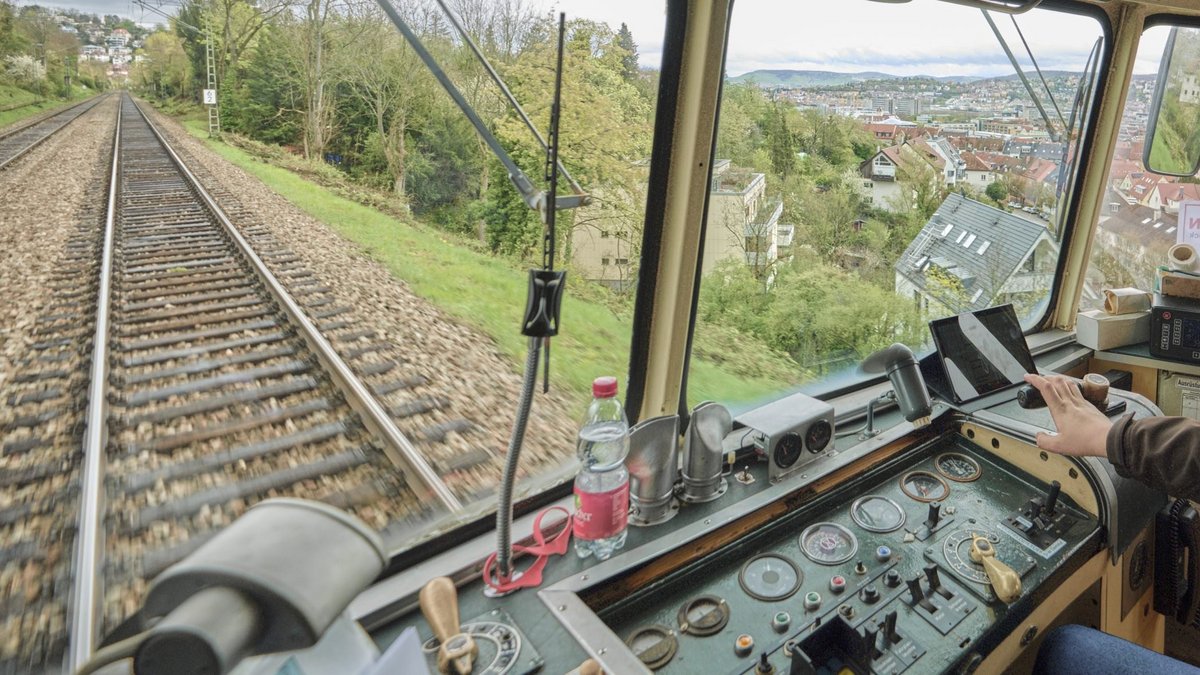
[{"x": 599, "y": 515}]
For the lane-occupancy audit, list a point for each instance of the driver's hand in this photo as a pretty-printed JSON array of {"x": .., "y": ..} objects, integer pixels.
[{"x": 1082, "y": 429}]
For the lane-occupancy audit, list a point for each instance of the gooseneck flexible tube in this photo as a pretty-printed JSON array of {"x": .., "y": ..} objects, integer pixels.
[{"x": 504, "y": 511}]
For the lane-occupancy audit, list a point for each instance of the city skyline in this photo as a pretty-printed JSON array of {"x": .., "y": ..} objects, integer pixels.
[{"x": 774, "y": 35}]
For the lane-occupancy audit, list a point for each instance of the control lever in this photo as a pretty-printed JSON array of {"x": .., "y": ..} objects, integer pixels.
[
  {"x": 935, "y": 582},
  {"x": 1052, "y": 499},
  {"x": 871, "y": 638},
  {"x": 439, "y": 604},
  {"x": 918, "y": 595},
  {"x": 890, "y": 636},
  {"x": 935, "y": 515},
  {"x": 1003, "y": 578}
]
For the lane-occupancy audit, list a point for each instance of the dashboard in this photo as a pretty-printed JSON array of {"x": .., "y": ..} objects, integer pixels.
[{"x": 860, "y": 562}]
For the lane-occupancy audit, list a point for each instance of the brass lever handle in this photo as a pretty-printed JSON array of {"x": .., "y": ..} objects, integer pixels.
[
  {"x": 1004, "y": 579},
  {"x": 439, "y": 604}
]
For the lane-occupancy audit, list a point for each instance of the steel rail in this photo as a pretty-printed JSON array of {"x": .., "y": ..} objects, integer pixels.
[
  {"x": 43, "y": 118},
  {"x": 84, "y": 609},
  {"x": 397, "y": 446}
]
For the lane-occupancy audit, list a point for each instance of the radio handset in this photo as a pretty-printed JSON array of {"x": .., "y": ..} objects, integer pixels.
[{"x": 1175, "y": 583}]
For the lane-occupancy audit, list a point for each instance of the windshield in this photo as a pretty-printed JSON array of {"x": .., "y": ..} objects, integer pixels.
[
  {"x": 878, "y": 166},
  {"x": 390, "y": 226}
]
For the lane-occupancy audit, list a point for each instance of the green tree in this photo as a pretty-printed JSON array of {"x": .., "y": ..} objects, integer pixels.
[
  {"x": 166, "y": 70},
  {"x": 782, "y": 142},
  {"x": 996, "y": 191},
  {"x": 629, "y": 60}
]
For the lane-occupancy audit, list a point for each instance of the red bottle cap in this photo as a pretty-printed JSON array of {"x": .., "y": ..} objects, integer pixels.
[{"x": 604, "y": 387}]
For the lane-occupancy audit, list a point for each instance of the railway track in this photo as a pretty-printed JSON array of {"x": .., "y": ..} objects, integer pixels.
[
  {"x": 21, "y": 140},
  {"x": 175, "y": 383}
]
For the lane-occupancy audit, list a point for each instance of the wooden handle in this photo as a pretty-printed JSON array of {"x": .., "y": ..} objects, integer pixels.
[
  {"x": 1005, "y": 581},
  {"x": 1095, "y": 388},
  {"x": 439, "y": 604}
]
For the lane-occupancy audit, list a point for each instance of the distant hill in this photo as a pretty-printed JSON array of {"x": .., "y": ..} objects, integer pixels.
[{"x": 825, "y": 78}]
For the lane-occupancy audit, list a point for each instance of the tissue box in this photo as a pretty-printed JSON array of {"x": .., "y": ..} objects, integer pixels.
[{"x": 1099, "y": 330}]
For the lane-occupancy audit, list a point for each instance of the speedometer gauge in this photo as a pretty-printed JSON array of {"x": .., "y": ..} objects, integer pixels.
[
  {"x": 958, "y": 467},
  {"x": 828, "y": 543},
  {"x": 924, "y": 486},
  {"x": 874, "y": 513}
]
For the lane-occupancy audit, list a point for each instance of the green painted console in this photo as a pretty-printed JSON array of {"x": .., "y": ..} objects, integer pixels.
[
  {"x": 873, "y": 577},
  {"x": 859, "y": 563}
]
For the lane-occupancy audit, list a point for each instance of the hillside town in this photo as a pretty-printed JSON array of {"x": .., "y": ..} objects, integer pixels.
[{"x": 985, "y": 147}]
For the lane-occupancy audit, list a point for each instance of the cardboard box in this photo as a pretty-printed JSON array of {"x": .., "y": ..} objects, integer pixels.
[
  {"x": 1099, "y": 330},
  {"x": 1180, "y": 285}
]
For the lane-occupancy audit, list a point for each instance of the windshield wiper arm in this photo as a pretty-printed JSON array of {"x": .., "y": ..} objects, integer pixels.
[
  {"x": 1021, "y": 74},
  {"x": 1041, "y": 76}
]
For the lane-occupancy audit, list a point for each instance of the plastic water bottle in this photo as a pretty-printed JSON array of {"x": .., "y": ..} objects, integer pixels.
[{"x": 602, "y": 486}]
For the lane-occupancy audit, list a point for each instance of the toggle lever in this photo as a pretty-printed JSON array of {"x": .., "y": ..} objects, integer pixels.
[
  {"x": 1052, "y": 498},
  {"x": 918, "y": 595},
  {"x": 439, "y": 604},
  {"x": 1003, "y": 578}
]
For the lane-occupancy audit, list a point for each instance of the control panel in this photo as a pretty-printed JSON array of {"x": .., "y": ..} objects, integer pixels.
[{"x": 909, "y": 567}]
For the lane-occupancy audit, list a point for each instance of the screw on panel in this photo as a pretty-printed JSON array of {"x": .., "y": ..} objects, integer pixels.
[{"x": 1030, "y": 633}]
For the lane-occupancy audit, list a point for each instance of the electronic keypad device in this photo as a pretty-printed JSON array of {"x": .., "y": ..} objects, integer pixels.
[{"x": 981, "y": 352}]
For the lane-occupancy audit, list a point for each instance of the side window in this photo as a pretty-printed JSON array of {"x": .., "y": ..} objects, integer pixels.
[
  {"x": 1140, "y": 221},
  {"x": 912, "y": 170}
]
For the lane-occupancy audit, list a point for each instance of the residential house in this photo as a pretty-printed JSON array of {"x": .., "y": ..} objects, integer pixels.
[
  {"x": 743, "y": 222},
  {"x": 971, "y": 255},
  {"x": 976, "y": 172},
  {"x": 879, "y": 174},
  {"x": 1137, "y": 237},
  {"x": 1189, "y": 91},
  {"x": 889, "y": 133},
  {"x": 1167, "y": 196}
]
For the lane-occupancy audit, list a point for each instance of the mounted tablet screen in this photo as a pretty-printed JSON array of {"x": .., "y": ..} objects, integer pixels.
[{"x": 982, "y": 352}]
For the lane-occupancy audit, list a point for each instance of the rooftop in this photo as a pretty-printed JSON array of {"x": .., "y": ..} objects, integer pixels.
[{"x": 980, "y": 245}]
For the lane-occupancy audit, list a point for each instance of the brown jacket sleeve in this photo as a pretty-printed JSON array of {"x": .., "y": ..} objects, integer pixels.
[{"x": 1163, "y": 452}]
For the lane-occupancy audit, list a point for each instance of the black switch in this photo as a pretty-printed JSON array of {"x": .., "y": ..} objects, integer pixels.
[
  {"x": 1052, "y": 498},
  {"x": 935, "y": 582},
  {"x": 869, "y": 594},
  {"x": 935, "y": 515},
  {"x": 918, "y": 595},
  {"x": 1034, "y": 508},
  {"x": 890, "y": 636},
  {"x": 764, "y": 665},
  {"x": 871, "y": 638},
  {"x": 891, "y": 579}
]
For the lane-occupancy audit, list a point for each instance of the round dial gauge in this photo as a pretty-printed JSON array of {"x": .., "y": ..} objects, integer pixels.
[
  {"x": 818, "y": 436},
  {"x": 770, "y": 577},
  {"x": 654, "y": 645},
  {"x": 874, "y": 513},
  {"x": 924, "y": 486},
  {"x": 788, "y": 450},
  {"x": 958, "y": 467},
  {"x": 828, "y": 543},
  {"x": 702, "y": 616},
  {"x": 957, "y": 550}
]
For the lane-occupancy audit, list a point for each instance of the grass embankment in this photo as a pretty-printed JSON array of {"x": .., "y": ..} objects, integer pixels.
[
  {"x": 488, "y": 292},
  {"x": 17, "y": 104}
]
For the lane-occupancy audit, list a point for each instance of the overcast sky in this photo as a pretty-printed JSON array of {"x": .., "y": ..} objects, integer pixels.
[{"x": 923, "y": 37}]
